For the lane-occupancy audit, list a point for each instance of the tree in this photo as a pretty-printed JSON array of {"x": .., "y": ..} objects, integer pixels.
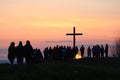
[{"x": 117, "y": 48}]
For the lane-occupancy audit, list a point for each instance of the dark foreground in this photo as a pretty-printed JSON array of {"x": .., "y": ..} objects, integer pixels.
[{"x": 85, "y": 69}]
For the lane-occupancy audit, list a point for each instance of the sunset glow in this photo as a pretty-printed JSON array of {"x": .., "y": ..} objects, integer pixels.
[{"x": 43, "y": 20}]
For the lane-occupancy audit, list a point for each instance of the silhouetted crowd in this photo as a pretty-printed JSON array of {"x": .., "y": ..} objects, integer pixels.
[
  {"x": 26, "y": 52},
  {"x": 31, "y": 55},
  {"x": 60, "y": 53},
  {"x": 68, "y": 53},
  {"x": 98, "y": 51}
]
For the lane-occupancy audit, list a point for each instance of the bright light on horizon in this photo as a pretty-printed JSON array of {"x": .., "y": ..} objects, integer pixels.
[{"x": 78, "y": 56}]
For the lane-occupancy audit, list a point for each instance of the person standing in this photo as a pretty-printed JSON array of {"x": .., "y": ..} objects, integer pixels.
[
  {"x": 102, "y": 51},
  {"x": 106, "y": 50},
  {"x": 20, "y": 53},
  {"x": 28, "y": 52},
  {"x": 89, "y": 52},
  {"x": 82, "y": 49},
  {"x": 11, "y": 52}
]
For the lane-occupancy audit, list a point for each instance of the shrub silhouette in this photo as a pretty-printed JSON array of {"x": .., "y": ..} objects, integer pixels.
[{"x": 117, "y": 48}]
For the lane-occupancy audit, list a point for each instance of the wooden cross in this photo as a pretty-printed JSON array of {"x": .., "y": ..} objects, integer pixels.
[{"x": 74, "y": 34}]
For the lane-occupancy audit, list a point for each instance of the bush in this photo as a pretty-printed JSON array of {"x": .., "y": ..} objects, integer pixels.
[{"x": 117, "y": 48}]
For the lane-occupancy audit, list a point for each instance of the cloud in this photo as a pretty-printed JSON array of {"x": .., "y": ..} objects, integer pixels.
[{"x": 59, "y": 41}]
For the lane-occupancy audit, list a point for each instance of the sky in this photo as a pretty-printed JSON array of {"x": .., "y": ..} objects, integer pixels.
[{"x": 49, "y": 20}]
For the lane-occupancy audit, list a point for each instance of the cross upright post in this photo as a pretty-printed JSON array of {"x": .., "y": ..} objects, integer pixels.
[{"x": 74, "y": 34}]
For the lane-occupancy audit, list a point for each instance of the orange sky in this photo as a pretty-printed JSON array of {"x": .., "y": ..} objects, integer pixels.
[{"x": 38, "y": 20}]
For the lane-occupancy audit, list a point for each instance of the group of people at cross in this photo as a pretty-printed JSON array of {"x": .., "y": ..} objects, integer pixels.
[
  {"x": 26, "y": 52},
  {"x": 98, "y": 51},
  {"x": 67, "y": 52}
]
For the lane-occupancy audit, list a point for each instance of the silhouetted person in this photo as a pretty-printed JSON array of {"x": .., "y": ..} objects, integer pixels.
[
  {"x": 64, "y": 53},
  {"x": 46, "y": 53},
  {"x": 11, "y": 52},
  {"x": 20, "y": 53},
  {"x": 82, "y": 49},
  {"x": 102, "y": 51},
  {"x": 94, "y": 51},
  {"x": 106, "y": 50},
  {"x": 28, "y": 52},
  {"x": 76, "y": 50},
  {"x": 98, "y": 51},
  {"x": 89, "y": 52}
]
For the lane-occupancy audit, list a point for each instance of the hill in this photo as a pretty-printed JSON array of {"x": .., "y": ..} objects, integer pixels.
[{"x": 83, "y": 69}]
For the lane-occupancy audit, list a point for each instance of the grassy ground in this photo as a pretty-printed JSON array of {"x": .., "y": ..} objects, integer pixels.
[{"x": 93, "y": 69}]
